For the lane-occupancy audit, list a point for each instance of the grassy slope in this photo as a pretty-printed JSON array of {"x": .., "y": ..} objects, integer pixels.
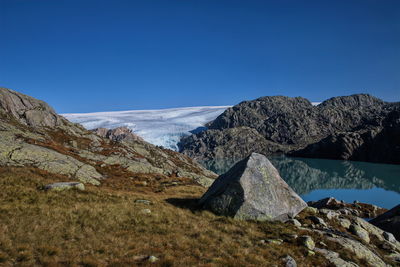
[{"x": 104, "y": 226}]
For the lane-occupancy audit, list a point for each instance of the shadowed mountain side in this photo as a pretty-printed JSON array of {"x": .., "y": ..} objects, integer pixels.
[
  {"x": 373, "y": 144},
  {"x": 357, "y": 127}
]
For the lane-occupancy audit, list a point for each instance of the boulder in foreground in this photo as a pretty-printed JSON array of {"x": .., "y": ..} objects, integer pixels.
[{"x": 253, "y": 190}]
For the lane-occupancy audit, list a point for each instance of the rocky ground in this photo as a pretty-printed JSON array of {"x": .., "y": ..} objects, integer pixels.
[
  {"x": 71, "y": 197},
  {"x": 357, "y": 127},
  {"x": 32, "y": 134},
  {"x": 132, "y": 224}
]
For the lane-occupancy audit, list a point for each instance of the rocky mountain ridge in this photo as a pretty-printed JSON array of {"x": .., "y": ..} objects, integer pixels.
[
  {"x": 352, "y": 127},
  {"x": 32, "y": 134}
]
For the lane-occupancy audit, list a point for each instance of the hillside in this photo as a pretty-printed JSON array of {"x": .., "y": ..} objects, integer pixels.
[
  {"x": 357, "y": 127},
  {"x": 32, "y": 134},
  {"x": 138, "y": 206}
]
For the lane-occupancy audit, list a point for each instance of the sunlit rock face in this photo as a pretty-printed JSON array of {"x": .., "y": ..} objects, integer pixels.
[{"x": 253, "y": 190}]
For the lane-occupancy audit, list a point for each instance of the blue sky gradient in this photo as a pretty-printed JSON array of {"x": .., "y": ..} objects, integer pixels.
[{"x": 83, "y": 56}]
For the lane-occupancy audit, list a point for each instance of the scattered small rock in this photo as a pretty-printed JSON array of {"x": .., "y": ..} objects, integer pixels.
[
  {"x": 389, "y": 237},
  {"x": 274, "y": 241},
  {"x": 360, "y": 232},
  {"x": 317, "y": 220},
  {"x": 322, "y": 244},
  {"x": 289, "y": 261},
  {"x": 311, "y": 210},
  {"x": 334, "y": 258},
  {"x": 145, "y": 211},
  {"x": 65, "y": 186},
  {"x": 294, "y": 222},
  {"x": 143, "y": 201},
  {"x": 344, "y": 223},
  {"x": 307, "y": 241},
  {"x": 326, "y": 202},
  {"x": 294, "y": 236},
  {"x": 152, "y": 258},
  {"x": 330, "y": 214},
  {"x": 394, "y": 257},
  {"x": 310, "y": 253}
]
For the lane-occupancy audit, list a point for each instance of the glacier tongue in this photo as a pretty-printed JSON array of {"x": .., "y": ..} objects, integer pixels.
[{"x": 162, "y": 127}]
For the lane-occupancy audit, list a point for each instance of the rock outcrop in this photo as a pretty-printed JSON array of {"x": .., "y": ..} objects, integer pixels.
[
  {"x": 118, "y": 134},
  {"x": 356, "y": 127},
  {"x": 389, "y": 221},
  {"x": 27, "y": 110},
  {"x": 253, "y": 190},
  {"x": 32, "y": 134}
]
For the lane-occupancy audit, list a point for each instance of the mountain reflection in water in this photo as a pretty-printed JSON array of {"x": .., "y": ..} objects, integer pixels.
[{"x": 307, "y": 175}]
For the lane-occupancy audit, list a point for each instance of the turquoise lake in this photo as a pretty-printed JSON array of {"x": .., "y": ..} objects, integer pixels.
[{"x": 314, "y": 179}]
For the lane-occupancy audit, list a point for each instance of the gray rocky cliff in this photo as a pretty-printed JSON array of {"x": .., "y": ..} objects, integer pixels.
[{"x": 347, "y": 127}]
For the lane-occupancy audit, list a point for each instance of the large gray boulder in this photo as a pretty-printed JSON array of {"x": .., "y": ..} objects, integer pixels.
[{"x": 253, "y": 190}]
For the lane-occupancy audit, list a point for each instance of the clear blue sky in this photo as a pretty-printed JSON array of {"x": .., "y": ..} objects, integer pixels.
[{"x": 83, "y": 56}]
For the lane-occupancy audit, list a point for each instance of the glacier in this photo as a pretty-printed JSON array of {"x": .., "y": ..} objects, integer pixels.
[{"x": 162, "y": 127}]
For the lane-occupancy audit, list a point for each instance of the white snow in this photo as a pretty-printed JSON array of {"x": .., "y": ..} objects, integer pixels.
[{"x": 162, "y": 127}]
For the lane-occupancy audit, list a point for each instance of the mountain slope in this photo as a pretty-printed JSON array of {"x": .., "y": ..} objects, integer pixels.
[
  {"x": 287, "y": 125},
  {"x": 32, "y": 134}
]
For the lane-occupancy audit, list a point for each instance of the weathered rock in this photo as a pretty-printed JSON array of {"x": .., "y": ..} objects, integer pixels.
[
  {"x": 334, "y": 258},
  {"x": 359, "y": 250},
  {"x": 28, "y": 110},
  {"x": 311, "y": 210},
  {"x": 145, "y": 211},
  {"x": 325, "y": 203},
  {"x": 118, "y": 134},
  {"x": 337, "y": 207},
  {"x": 274, "y": 241},
  {"x": 344, "y": 222},
  {"x": 330, "y": 214},
  {"x": 389, "y": 237},
  {"x": 294, "y": 222},
  {"x": 394, "y": 257},
  {"x": 307, "y": 241},
  {"x": 65, "y": 186},
  {"x": 360, "y": 232},
  {"x": 143, "y": 201},
  {"x": 310, "y": 253},
  {"x": 317, "y": 220},
  {"x": 289, "y": 261},
  {"x": 152, "y": 259},
  {"x": 389, "y": 221},
  {"x": 253, "y": 190}
]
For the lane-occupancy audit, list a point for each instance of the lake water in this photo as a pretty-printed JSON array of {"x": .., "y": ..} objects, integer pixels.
[{"x": 314, "y": 179}]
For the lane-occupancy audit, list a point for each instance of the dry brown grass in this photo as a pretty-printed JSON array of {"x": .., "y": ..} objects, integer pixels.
[{"x": 103, "y": 226}]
